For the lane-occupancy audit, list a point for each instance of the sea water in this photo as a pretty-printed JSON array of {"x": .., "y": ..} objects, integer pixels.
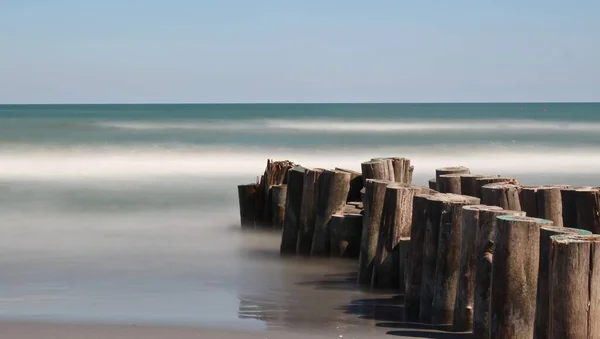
[{"x": 128, "y": 213}]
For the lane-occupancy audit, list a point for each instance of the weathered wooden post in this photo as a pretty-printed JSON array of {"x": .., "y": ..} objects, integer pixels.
[
  {"x": 468, "y": 185},
  {"x": 247, "y": 195},
  {"x": 449, "y": 170},
  {"x": 543, "y": 202},
  {"x": 402, "y": 170},
  {"x": 504, "y": 195},
  {"x": 356, "y": 184},
  {"x": 463, "y": 307},
  {"x": 588, "y": 209},
  {"x": 514, "y": 276},
  {"x": 542, "y": 310},
  {"x": 403, "y": 248},
  {"x": 449, "y": 183},
  {"x": 414, "y": 271},
  {"x": 568, "y": 197},
  {"x": 308, "y": 211},
  {"x": 373, "y": 209},
  {"x": 439, "y": 209},
  {"x": 575, "y": 287},
  {"x": 293, "y": 203},
  {"x": 432, "y": 184},
  {"x": 395, "y": 224},
  {"x": 275, "y": 174},
  {"x": 333, "y": 188},
  {"x": 448, "y": 259},
  {"x": 346, "y": 230},
  {"x": 376, "y": 169},
  {"x": 278, "y": 197},
  {"x": 483, "y": 270},
  {"x": 480, "y": 182},
  {"x": 389, "y": 167}
]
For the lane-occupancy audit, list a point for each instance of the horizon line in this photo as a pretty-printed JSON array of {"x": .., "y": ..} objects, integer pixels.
[{"x": 301, "y": 103}]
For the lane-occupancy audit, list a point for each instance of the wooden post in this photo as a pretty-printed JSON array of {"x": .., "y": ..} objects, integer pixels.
[
  {"x": 275, "y": 174},
  {"x": 480, "y": 182},
  {"x": 575, "y": 287},
  {"x": 308, "y": 211},
  {"x": 468, "y": 183},
  {"x": 448, "y": 259},
  {"x": 278, "y": 197},
  {"x": 542, "y": 311},
  {"x": 346, "y": 230},
  {"x": 247, "y": 195},
  {"x": 449, "y": 170},
  {"x": 433, "y": 184},
  {"x": 514, "y": 276},
  {"x": 293, "y": 204},
  {"x": 402, "y": 170},
  {"x": 395, "y": 224},
  {"x": 588, "y": 209},
  {"x": 439, "y": 210},
  {"x": 389, "y": 167},
  {"x": 373, "y": 209},
  {"x": 449, "y": 183},
  {"x": 403, "y": 248},
  {"x": 414, "y": 272},
  {"x": 356, "y": 184},
  {"x": 333, "y": 188},
  {"x": 483, "y": 270},
  {"x": 376, "y": 169},
  {"x": 543, "y": 202},
  {"x": 504, "y": 195},
  {"x": 569, "y": 205},
  {"x": 463, "y": 307}
]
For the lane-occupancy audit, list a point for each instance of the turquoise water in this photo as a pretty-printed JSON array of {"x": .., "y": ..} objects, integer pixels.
[{"x": 128, "y": 213}]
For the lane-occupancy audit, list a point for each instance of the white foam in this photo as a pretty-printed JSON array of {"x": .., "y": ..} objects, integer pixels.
[
  {"x": 150, "y": 163},
  {"x": 361, "y": 126}
]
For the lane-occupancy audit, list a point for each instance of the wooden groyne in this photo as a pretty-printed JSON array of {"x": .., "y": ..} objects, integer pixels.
[{"x": 478, "y": 253}]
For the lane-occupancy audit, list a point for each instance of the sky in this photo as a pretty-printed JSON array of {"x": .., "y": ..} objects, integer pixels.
[{"x": 175, "y": 51}]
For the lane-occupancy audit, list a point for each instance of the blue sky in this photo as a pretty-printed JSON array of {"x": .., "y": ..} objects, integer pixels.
[{"x": 123, "y": 51}]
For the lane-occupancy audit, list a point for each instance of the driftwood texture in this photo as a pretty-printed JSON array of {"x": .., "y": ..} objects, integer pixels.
[
  {"x": 402, "y": 170},
  {"x": 463, "y": 306},
  {"x": 515, "y": 271},
  {"x": 333, "y": 188},
  {"x": 504, "y": 195},
  {"x": 395, "y": 224},
  {"x": 414, "y": 268},
  {"x": 468, "y": 185},
  {"x": 449, "y": 183},
  {"x": 448, "y": 259},
  {"x": 278, "y": 197},
  {"x": 569, "y": 204},
  {"x": 293, "y": 206},
  {"x": 483, "y": 270},
  {"x": 542, "y": 310},
  {"x": 373, "y": 209},
  {"x": 439, "y": 209},
  {"x": 543, "y": 202},
  {"x": 380, "y": 169},
  {"x": 480, "y": 182},
  {"x": 356, "y": 184},
  {"x": 449, "y": 170},
  {"x": 346, "y": 230},
  {"x": 575, "y": 287},
  {"x": 247, "y": 197},
  {"x": 588, "y": 209},
  {"x": 308, "y": 211},
  {"x": 275, "y": 174}
]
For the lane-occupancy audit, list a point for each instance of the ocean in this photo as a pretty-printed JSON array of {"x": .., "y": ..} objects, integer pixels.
[{"x": 128, "y": 213}]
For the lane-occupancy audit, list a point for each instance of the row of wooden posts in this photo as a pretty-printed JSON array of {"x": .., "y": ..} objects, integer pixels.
[{"x": 481, "y": 253}]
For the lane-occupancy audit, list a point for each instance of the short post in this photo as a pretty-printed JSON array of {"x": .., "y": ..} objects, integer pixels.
[
  {"x": 463, "y": 307},
  {"x": 432, "y": 184},
  {"x": 403, "y": 248},
  {"x": 308, "y": 211},
  {"x": 483, "y": 270},
  {"x": 543, "y": 202},
  {"x": 449, "y": 170},
  {"x": 247, "y": 197},
  {"x": 449, "y": 183},
  {"x": 542, "y": 311},
  {"x": 402, "y": 170},
  {"x": 376, "y": 169},
  {"x": 569, "y": 204},
  {"x": 373, "y": 209},
  {"x": 504, "y": 195},
  {"x": 414, "y": 269},
  {"x": 333, "y": 188},
  {"x": 468, "y": 183},
  {"x": 480, "y": 182},
  {"x": 514, "y": 276},
  {"x": 395, "y": 224},
  {"x": 278, "y": 197},
  {"x": 293, "y": 204},
  {"x": 448, "y": 259},
  {"x": 588, "y": 209},
  {"x": 389, "y": 170},
  {"x": 346, "y": 230},
  {"x": 356, "y": 184},
  {"x": 575, "y": 287}
]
